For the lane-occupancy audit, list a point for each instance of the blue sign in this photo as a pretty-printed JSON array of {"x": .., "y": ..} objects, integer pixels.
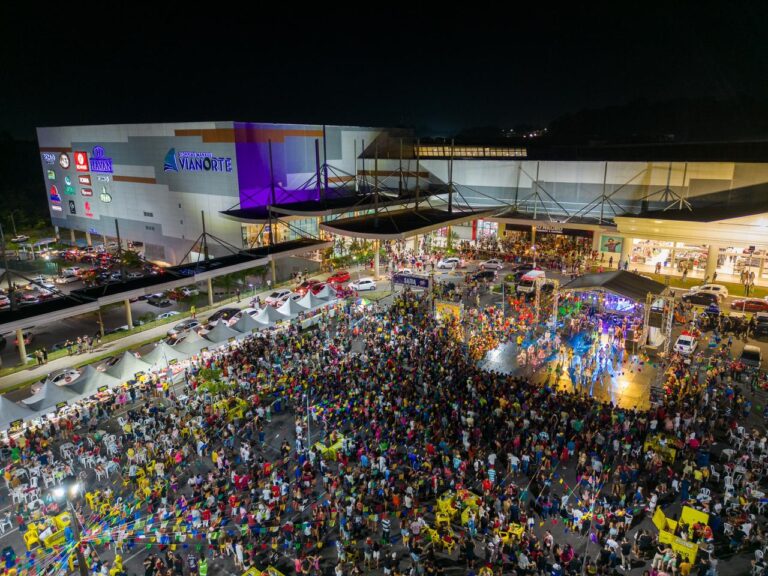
[
  {"x": 195, "y": 162},
  {"x": 409, "y": 280},
  {"x": 99, "y": 163}
]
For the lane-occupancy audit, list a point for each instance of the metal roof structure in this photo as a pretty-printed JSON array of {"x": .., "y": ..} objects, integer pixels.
[{"x": 626, "y": 284}]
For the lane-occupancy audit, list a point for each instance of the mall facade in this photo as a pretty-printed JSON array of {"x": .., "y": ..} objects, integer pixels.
[{"x": 702, "y": 208}]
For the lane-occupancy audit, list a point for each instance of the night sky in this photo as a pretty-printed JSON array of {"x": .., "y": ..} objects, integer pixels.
[{"x": 437, "y": 69}]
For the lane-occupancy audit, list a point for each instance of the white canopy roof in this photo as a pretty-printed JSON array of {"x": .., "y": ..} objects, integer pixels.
[
  {"x": 291, "y": 308},
  {"x": 91, "y": 380},
  {"x": 221, "y": 333},
  {"x": 49, "y": 396},
  {"x": 162, "y": 353},
  {"x": 127, "y": 367},
  {"x": 192, "y": 343},
  {"x": 269, "y": 316}
]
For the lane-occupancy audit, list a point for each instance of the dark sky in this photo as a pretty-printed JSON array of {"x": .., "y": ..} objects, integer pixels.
[{"x": 439, "y": 68}]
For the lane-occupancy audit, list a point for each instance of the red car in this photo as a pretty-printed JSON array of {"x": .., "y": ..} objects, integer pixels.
[
  {"x": 306, "y": 285},
  {"x": 317, "y": 287},
  {"x": 750, "y": 305},
  {"x": 338, "y": 277}
]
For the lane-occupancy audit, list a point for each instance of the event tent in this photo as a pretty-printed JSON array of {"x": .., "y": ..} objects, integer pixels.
[
  {"x": 49, "y": 396},
  {"x": 269, "y": 316},
  {"x": 162, "y": 354},
  {"x": 126, "y": 368},
  {"x": 10, "y": 412},
  {"x": 221, "y": 332},
  {"x": 192, "y": 343},
  {"x": 91, "y": 380},
  {"x": 291, "y": 308},
  {"x": 326, "y": 292},
  {"x": 246, "y": 324},
  {"x": 310, "y": 301}
]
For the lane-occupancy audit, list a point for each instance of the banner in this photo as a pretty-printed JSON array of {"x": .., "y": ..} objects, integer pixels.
[{"x": 611, "y": 243}]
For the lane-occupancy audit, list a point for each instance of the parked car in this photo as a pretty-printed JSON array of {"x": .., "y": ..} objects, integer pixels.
[
  {"x": 188, "y": 291},
  {"x": 166, "y": 315},
  {"x": 492, "y": 264},
  {"x": 751, "y": 357},
  {"x": 750, "y": 305},
  {"x": 305, "y": 286},
  {"x": 108, "y": 362},
  {"x": 225, "y": 313},
  {"x": 719, "y": 289},
  {"x": 20, "y": 238},
  {"x": 339, "y": 277},
  {"x": 243, "y": 312},
  {"x": 527, "y": 284},
  {"x": 5, "y": 302},
  {"x": 135, "y": 275},
  {"x": 275, "y": 296},
  {"x": 363, "y": 284},
  {"x": 67, "y": 279},
  {"x": 159, "y": 301},
  {"x": 686, "y": 344},
  {"x": 123, "y": 328},
  {"x": 449, "y": 263},
  {"x": 290, "y": 296},
  {"x": 761, "y": 328},
  {"x": 485, "y": 275},
  {"x": 183, "y": 327},
  {"x": 72, "y": 271},
  {"x": 60, "y": 378},
  {"x": 701, "y": 298}
]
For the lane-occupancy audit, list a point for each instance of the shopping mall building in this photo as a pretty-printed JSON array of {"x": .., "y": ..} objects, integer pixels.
[{"x": 700, "y": 206}]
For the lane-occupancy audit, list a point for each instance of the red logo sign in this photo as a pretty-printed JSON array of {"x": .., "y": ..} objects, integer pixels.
[
  {"x": 86, "y": 191},
  {"x": 84, "y": 179},
  {"x": 81, "y": 161},
  {"x": 88, "y": 211}
]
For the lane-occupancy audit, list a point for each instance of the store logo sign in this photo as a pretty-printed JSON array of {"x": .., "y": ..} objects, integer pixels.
[
  {"x": 68, "y": 188},
  {"x": 99, "y": 163},
  {"x": 84, "y": 179},
  {"x": 102, "y": 178},
  {"x": 81, "y": 161},
  {"x": 56, "y": 208},
  {"x": 88, "y": 211},
  {"x": 105, "y": 196},
  {"x": 54, "y": 194},
  {"x": 72, "y": 209},
  {"x": 51, "y": 175},
  {"x": 49, "y": 157},
  {"x": 64, "y": 160},
  {"x": 86, "y": 192},
  {"x": 195, "y": 162}
]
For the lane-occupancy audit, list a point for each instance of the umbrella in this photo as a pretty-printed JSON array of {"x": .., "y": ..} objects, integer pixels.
[
  {"x": 269, "y": 316},
  {"x": 10, "y": 412},
  {"x": 192, "y": 344},
  {"x": 91, "y": 380},
  {"x": 162, "y": 353},
  {"x": 221, "y": 333},
  {"x": 126, "y": 368},
  {"x": 291, "y": 308},
  {"x": 49, "y": 396}
]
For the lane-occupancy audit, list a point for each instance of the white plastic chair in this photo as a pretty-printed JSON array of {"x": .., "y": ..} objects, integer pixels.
[
  {"x": 714, "y": 474},
  {"x": 101, "y": 474},
  {"x": 6, "y": 523}
]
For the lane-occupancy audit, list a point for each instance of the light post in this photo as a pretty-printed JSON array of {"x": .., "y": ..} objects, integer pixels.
[{"x": 66, "y": 492}]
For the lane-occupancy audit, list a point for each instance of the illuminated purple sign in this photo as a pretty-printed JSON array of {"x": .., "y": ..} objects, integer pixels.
[{"x": 99, "y": 163}]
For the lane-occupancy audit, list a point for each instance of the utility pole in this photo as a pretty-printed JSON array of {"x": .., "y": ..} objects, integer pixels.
[
  {"x": 418, "y": 146},
  {"x": 11, "y": 294},
  {"x": 120, "y": 251}
]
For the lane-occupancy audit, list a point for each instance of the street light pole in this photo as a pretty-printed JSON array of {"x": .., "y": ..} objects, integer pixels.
[{"x": 64, "y": 492}]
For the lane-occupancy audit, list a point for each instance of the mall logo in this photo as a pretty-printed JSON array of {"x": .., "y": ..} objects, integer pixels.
[
  {"x": 100, "y": 163},
  {"x": 195, "y": 162}
]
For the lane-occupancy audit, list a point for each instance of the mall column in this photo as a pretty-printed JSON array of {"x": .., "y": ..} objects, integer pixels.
[
  {"x": 88, "y": 240},
  {"x": 376, "y": 245},
  {"x": 626, "y": 250},
  {"x": 415, "y": 245},
  {"x": 274, "y": 271},
  {"x": 128, "y": 314},
  {"x": 210, "y": 291},
  {"x": 22, "y": 346},
  {"x": 712, "y": 254},
  {"x": 72, "y": 235}
]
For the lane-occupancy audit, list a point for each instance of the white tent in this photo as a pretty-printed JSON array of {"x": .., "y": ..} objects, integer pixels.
[
  {"x": 192, "y": 343},
  {"x": 221, "y": 333},
  {"x": 291, "y": 308},
  {"x": 163, "y": 353},
  {"x": 310, "y": 301},
  {"x": 326, "y": 292},
  {"x": 127, "y": 367},
  {"x": 49, "y": 396},
  {"x": 269, "y": 316},
  {"x": 246, "y": 324},
  {"x": 10, "y": 412},
  {"x": 91, "y": 380}
]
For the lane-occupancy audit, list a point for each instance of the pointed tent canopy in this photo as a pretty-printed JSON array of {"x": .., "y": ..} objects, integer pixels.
[
  {"x": 10, "y": 412},
  {"x": 127, "y": 367},
  {"x": 325, "y": 292},
  {"x": 291, "y": 308},
  {"x": 91, "y": 380},
  {"x": 48, "y": 396},
  {"x": 192, "y": 344},
  {"x": 221, "y": 333},
  {"x": 269, "y": 316},
  {"x": 246, "y": 324},
  {"x": 311, "y": 301},
  {"x": 163, "y": 353}
]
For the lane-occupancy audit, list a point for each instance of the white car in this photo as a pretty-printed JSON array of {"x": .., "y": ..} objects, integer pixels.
[
  {"x": 405, "y": 271},
  {"x": 363, "y": 284},
  {"x": 686, "y": 344},
  {"x": 187, "y": 291},
  {"x": 73, "y": 271},
  {"x": 166, "y": 315},
  {"x": 274, "y": 298},
  {"x": 67, "y": 279},
  {"x": 60, "y": 378},
  {"x": 291, "y": 296},
  {"x": 449, "y": 263},
  {"x": 20, "y": 238},
  {"x": 492, "y": 264},
  {"x": 243, "y": 312},
  {"x": 719, "y": 289}
]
